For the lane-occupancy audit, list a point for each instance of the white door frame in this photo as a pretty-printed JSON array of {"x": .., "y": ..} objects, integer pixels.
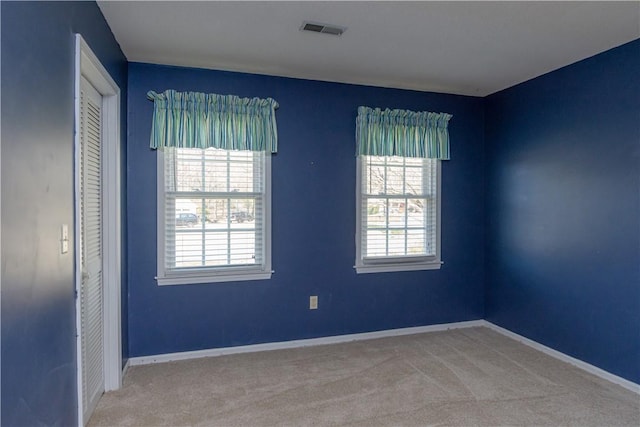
[{"x": 88, "y": 65}]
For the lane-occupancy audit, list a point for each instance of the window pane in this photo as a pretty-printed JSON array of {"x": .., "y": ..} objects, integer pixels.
[
  {"x": 216, "y": 154},
  {"x": 394, "y": 160},
  {"x": 188, "y": 248},
  {"x": 212, "y": 170},
  {"x": 397, "y": 240},
  {"x": 376, "y": 213},
  {"x": 215, "y": 174},
  {"x": 395, "y": 180},
  {"x": 187, "y": 212},
  {"x": 376, "y": 243},
  {"x": 216, "y": 248},
  {"x": 414, "y": 181},
  {"x": 415, "y": 213},
  {"x": 245, "y": 156},
  {"x": 374, "y": 180},
  {"x": 393, "y": 225},
  {"x": 414, "y": 161},
  {"x": 243, "y": 247},
  {"x": 241, "y": 176},
  {"x": 397, "y": 212},
  {"x": 216, "y": 212},
  {"x": 206, "y": 231},
  {"x": 189, "y": 154},
  {"x": 188, "y": 170},
  {"x": 242, "y": 210},
  {"x": 416, "y": 242}
]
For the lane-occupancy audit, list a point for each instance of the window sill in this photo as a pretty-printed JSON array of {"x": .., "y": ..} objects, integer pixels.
[
  {"x": 188, "y": 279},
  {"x": 395, "y": 267}
]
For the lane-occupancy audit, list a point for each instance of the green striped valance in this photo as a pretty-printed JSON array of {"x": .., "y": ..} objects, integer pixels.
[
  {"x": 402, "y": 133},
  {"x": 199, "y": 120}
]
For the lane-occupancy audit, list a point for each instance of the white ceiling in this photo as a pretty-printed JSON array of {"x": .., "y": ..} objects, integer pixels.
[{"x": 469, "y": 48}]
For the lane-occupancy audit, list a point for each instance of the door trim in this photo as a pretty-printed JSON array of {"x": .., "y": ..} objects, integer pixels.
[{"x": 88, "y": 65}]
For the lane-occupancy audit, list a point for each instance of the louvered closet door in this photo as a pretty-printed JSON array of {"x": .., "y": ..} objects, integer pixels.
[{"x": 91, "y": 251}]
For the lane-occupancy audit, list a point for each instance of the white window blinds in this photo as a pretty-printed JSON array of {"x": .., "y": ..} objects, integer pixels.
[
  {"x": 214, "y": 212},
  {"x": 398, "y": 209}
]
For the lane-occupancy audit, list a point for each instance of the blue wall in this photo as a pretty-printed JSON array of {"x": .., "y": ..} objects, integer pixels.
[
  {"x": 563, "y": 179},
  {"x": 38, "y": 306},
  {"x": 313, "y": 224},
  {"x": 557, "y": 218}
]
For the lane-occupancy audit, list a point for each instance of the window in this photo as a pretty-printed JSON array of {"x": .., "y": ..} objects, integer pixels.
[
  {"x": 399, "y": 154},
  {"x": 214, "y": 186},
  {"x": 398, "y": 214},
  {"x": 213, "y": 215}
]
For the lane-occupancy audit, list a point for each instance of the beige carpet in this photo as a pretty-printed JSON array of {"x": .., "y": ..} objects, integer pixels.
[{"x": 464, "y": 377}]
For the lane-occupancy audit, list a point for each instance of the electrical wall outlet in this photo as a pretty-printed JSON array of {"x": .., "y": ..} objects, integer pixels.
[{"x": 313, "y": 302}]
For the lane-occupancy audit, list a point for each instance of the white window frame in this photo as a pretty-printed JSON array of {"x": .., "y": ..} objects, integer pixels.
[
  {"x": 391, "y": 263},
  {"x": 211, "y": 274}
]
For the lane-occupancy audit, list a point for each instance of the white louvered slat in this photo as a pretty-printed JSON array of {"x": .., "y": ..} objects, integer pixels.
[
  {"x": 398, "y": 207},
  {"x": 91, "y": 251},
  {"x": 214, "y": 209}
]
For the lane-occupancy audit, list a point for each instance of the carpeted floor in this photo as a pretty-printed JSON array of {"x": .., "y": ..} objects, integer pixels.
[{"x": 462, "y": 377}]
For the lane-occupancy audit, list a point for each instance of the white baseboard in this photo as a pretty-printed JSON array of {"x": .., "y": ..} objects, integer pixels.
[
  {"x": 125, "y": 368},
  {"x": 161, "y": 358},
  {"x": 169, "y": 357},
  {"x": 629, "y": 385}
]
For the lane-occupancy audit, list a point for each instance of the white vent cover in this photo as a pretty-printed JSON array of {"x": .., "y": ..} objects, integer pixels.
[{"x": 317, "y": 27}]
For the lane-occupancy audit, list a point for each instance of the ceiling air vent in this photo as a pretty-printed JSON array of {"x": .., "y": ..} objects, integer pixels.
[{"x": 316, "y": 27}]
